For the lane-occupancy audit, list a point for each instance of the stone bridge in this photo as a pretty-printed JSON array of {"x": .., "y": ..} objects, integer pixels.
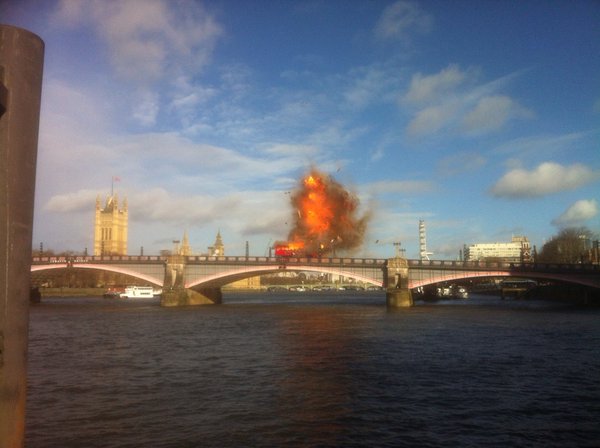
[{"x": 198, "y": 279}]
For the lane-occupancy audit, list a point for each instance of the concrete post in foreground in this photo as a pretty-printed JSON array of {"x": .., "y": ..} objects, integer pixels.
[
  {"x": 21, "y": 64},
  {"x": 397, "y": 292}
]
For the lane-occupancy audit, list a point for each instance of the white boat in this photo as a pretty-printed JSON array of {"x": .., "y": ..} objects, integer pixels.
[
  {"x": 461, "y": 293},
  {"x": 138, "y": 292},
  {"x": 454, "y": 291}
]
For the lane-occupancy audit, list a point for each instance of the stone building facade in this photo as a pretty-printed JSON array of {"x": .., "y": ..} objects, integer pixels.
[
  {"x": 518, "y": 250},
  {"x": 110, "y": 229}
]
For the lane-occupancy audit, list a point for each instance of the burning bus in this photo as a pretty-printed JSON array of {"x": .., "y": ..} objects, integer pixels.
[
  {"x": 288, "y": 249},
  {"x": 293, "y": 249}
]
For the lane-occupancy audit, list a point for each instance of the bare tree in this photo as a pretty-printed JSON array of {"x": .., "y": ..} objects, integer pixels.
[{"x": 569, "y": 246}]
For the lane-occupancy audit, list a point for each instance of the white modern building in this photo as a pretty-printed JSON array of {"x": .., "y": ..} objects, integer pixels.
[{"x": 517, "y": 250}]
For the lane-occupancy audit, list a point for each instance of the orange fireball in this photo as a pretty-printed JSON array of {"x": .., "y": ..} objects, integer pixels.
[
  {"x": 315, "y": 208},
  {"x": 325, "y": 218}
]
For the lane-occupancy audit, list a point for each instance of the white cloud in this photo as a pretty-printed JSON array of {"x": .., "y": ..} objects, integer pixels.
[
  {"x": 377, "y": 154},
  {"x": 542, "y": 145},
  {"x": 148, "y": 39},
  {"x": 451, "y": 100},
  {"x": 67, "y": 106},
  {"x": 146, "y": 109},
  {"x": 172, "y": 182},
  {"x": 155, "y": 45},
  {"x": 577, "y": 213},
  {"x": 79, "y": 201},
  {"x": 69, "y": 12},
  {"x": 547, "y": 178},
  {"x": 401, "y": 18},
  {"x": 334, "y": 133},
  {"x": 368, "y": 86},
  {"x": 429, "y": 88},
  {"x": 290, "y": 150},
  {"x": 251, "y": 212},
  {"x": 400, "y": 186},
  {"x": 460, "y": 163},
  {"x": 190, "y": 99},
  {"x": 491, "y": 113},
  {"x": 75, "y": 144},
  {"x": 431, "y": 119}
]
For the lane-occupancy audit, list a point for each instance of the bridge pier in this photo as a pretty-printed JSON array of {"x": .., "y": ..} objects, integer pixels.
[
  {"x": 188, "y": 297},
  {"x": 174, "y": 292},
  {"x": 399, "y": 298},
  {"x": 397, "y": 292}
]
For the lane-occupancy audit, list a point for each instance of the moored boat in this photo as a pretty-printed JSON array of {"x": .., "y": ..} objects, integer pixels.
[
  {"x": 112, "y": 293},
  {"x": 137, "y": 292}
]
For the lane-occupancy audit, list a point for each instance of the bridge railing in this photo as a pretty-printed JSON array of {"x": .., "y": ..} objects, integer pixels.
[
  {"x": 526, "y": 266},
  {"x": 345, "y": 261},
  {"x": 227, "y": 259},
  {"x": 208, "y": 259},
  {"x": 460, "y": 264},
  {"x": 571, "y": 267},
  {"x": 96, "y": 258},
  {"x": 286, "y": 260}
]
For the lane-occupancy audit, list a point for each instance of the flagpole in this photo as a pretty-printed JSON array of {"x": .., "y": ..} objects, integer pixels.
[{"x": 112, "y": 186}]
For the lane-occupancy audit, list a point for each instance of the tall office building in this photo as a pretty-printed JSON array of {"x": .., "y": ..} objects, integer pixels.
[
  {"x": 518, "y": 250},
  {"x": 110, "y": 230}
]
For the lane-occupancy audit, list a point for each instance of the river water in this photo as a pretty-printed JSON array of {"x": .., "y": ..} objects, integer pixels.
[{"x": 319, "y": 370}]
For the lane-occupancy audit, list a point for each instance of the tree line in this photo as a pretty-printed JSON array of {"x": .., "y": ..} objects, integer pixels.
[{"x": 570, "y": 245}]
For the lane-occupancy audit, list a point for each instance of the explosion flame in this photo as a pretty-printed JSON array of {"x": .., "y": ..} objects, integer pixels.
[{"x": 326, "y": 216}]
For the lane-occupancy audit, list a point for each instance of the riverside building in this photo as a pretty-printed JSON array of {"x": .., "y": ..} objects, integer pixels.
[{"x": 518, "y": 250}]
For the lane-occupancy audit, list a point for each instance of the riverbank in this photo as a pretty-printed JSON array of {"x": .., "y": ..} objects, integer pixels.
[
  {"x": 72, "y": 292},
  {"x": 566, "y": 293}
]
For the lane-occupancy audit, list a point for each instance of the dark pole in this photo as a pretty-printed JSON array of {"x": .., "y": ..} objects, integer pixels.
[{"x": 21, "y": 64}]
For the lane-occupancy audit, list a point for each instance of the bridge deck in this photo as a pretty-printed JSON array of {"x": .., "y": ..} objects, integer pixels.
[
  {"x": 415, "y": 263},
  {"x": 199, "y": 269}
]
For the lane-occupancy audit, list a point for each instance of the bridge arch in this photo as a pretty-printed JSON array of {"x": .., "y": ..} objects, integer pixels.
[
  {"x": 101, "y": 267},
  {"x": 213, "y": 272},
  {"x": 449, "y": 276},
  {"x": 224, "y": 278}
]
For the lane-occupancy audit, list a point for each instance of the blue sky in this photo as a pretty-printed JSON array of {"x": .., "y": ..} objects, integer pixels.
[{"x": 481, "y": 118}]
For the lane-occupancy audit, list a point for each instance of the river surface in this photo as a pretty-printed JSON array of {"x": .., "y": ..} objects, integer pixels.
[{"x": 313, "y": 370}]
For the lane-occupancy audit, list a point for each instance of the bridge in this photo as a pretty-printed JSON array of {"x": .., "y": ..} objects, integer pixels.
[{"x": 198, "y": 279}]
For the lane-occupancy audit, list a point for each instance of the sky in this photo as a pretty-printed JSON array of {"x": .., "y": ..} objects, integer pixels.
[{"x": 481, "y": 118}]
